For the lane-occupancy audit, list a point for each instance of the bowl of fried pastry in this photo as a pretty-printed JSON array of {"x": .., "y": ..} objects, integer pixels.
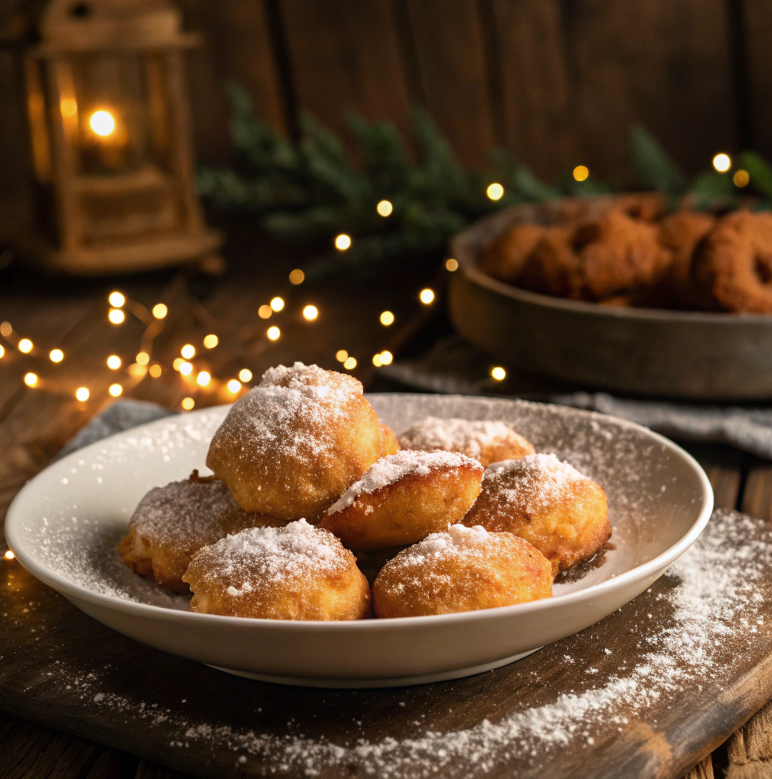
[
  {"x": 626, "y": 293},
  {"x": 309, "y": 534}
]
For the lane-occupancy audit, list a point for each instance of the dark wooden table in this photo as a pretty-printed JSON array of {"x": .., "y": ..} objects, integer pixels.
[{"x": 36, "y": 422}]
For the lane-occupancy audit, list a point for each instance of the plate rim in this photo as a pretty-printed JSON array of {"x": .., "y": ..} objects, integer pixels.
[{"x": 70, "y": 589}]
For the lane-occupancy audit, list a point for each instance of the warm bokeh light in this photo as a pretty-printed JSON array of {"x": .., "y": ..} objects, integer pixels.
[
  {"x": 82, "y": 394},
  {"x": 115, "y": 390},
  {"x": 350, "y": 363},
  {"x": 117, "y": 299},
  {"x": 341, "y": 355},
  {"x": 741, "y": 178},
  {"x": 155, "y": 370},
  {"x": 203, "y": 378},
  {"x": 495, "y": 191},
  {"x": 188, "y": 404},
  {"x": 377, "y": 360},
  {"x": 2, "y": 351},
  {"x": 185, "y": 368},
  {"x": 56, "y": 355},
  {"x": 9, "y": 555},
  {"x": 211, "y": 340},
  {"x": 5, "y": 329},
  {"x": 102, "y": 123},
  {"x": 310, "y": 312},
  {"x": 114, "y": 362},
  {"x": 277, "y": 304},
  {"x": 273, "y": 333},
  {"x": 387, "y": 318},
  {"x": 116, "y": 316},
  {"x": 136, "y": 370},
  {"x": 234, "y": 386},
  {"x": 143, "y": 358},
  {"x": 68, "y": 106},
  {"x": 265, "y": 311},
  {"x": 31, "y": 379},
  {"x": 177, "y": 362},
  {"x": 581, "y": 173},
  {"x": 245, "y": 374},
  {"x": 160, "y": 311},
  {"x": 387, "y": 358},
  {"x": 451, "y": 264},
  {"x": 25, "y": 345},
  {"x": 342, "y": 242},
  {"x": 297, "y": 277},
  {"x": 722, "y": 162},
  {"x": 188, "y": 351},
  {"x": 384, "y": 208},
  {"x": 498, "y": 373},
  {"x": 426, "y": 296}
]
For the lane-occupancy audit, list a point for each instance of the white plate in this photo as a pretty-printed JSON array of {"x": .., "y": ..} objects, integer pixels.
[{"x": 65, "y": 525}]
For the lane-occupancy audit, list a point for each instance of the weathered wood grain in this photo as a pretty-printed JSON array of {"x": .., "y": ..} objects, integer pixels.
[
  {"x": 750, "y": 748},
  {"x": 449, "y": 47},
  {"x": 577, "y": 75},
  {"x": 703, "y": 770},
  {"x": 345, "y": 56},
  {"x": 757, "y": 495}
]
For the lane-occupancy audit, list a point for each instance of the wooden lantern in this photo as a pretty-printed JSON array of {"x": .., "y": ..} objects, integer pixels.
[{"x": 111, "y": 139}]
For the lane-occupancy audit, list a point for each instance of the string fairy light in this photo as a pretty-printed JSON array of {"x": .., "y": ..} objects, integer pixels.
[
  {"x": 115, "y": 390},
  {"x": 160, "y": 310},
  {"x": 342, "y": 242},
  {"x": 273, "y": 333},
  {"x": 185, "y": 368},
  {"x": 211, "y": 340},
  {"x": 581, "y": 173},
  {"x": 310, "y": 313},
  {"x": 451, "y": 264},
  {"x": 25, "y": 345},
  {"x": 426, "y": 296},
  {"x": 265, "y": 311},
  {"x": 498, "y": 373},
  {"x": 56, "y": 355},
  {"x": 297, "y": 277},
  {"x": 384, "y": 208},
  {"x": 722, "y": 162},
  {"x": 741, "y": 178},
  {"x": 188, "y": 351},
  {"x": 5, "y": 329},
  {"x": 350, "y": 363},
  {"x": 114, "y": 362},
  {"x": 116, "y": 299},
  {"x": 377, "y": 360},
  {"x": 2, "y": 351},
  {"x": 277, "y": 304},
  {"x": 387, "y": 357},
  {"x": 495, "y": 191},
  {"x": 116, "y": 316},
  {"x": 203, "y": 378},
  {"x": 9, "y": 555},
  {"x": 31, "y": 379},
  {"x": 155, "y": 370},
  {"x": 234, "y": 386},
  {"x": 387, "y": 318},
  {"x": 245, "y": 375},
  {"x": 143, "y": 358},
  {"x": 188, "y": 404},
  {"x": 82, "y": 394},
  {"x": 341, "y": 355}
]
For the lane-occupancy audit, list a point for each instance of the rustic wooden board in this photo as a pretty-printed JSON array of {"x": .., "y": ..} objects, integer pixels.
[{"x": 64, "y": 670}]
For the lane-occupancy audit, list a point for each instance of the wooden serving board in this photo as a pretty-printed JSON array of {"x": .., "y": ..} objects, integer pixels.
[{"x": 551, "y": 714}]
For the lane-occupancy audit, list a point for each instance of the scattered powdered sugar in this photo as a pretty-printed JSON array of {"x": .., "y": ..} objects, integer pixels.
[
  {"x": 390, "y": 469},
  {"x": 717, "y": 588},
  {"x": 531, "y": 483},
  {"x": 471, "y": 437},
  {"x": 314, "y": 381},
  {"x": 261, "y": 555}
]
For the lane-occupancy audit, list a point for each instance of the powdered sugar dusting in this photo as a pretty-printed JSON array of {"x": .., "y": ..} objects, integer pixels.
[
  {"x": 531, "y": 483},
  {"x": 471, "y": 437},
  {"x": 269, "y": 555},
  {"x": 713, "y": 590},
  {"x": 389, "y": 470}
]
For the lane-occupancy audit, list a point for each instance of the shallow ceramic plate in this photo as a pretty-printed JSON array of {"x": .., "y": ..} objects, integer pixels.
[{"x": 65, "y": 526}]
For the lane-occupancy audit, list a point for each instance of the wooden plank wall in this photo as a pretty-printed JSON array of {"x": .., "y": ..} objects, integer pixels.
[{"x": 558, "y": 82}]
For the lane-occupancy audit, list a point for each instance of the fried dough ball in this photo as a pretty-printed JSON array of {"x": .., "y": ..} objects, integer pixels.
[
  {"x": 463, "y": 569},
  {"x": 296, "y": 443},
  {"x": 293, "y": 572},
  {"x": 681, "y": 233},
  {"x": 172, "y": 523},
  {"x": 505, "y": 258},
  {"x": 403, "y": 498},
  {"x": 389, "y": 443},
  {"x": 487, "y": 442},
  {"x": 735, "y": 262},
  {"x": 598, "y": 259},
  {"x": 548, "y": 503}
]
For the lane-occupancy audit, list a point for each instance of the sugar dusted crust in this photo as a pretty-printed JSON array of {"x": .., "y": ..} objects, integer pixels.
[
  {"x": 295, "y": 572},
  {"x": 485, "y": 441},
  {"x": 548, "y": 503},
  {"x": 291, "y": 446},
  {"x": 463, "y": 569},
  {"x": 403, "y": 498}
]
